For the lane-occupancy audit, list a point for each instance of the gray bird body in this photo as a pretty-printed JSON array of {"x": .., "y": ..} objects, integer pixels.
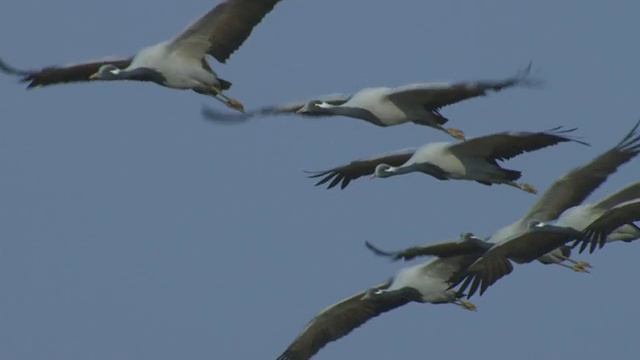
[
  {"x": 475, "y": 159},
  {"x": 178, "y": 63},
  {"x": 609, "y": 219},
  {"x": 421, "y": 283},
  {"x": 179, "y": 71},
  {"x": 429, "y": 279},
  {"x": 613, "y": 224},
  {"x": 606, "y": 211},
  {"x": 536, "y": 241},
  {"x": 569, "y": 191},
  {"x": 418, "y": 103},
  {"x": 581, "y": 216}
]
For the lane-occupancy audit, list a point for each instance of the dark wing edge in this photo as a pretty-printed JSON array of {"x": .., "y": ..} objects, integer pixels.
[
  {"x": 596, "y": 233},
  {"x": 577, "y": 184},
  {"x": 439, "y": 98},
  {"x": 441, "y": 250},
  {"x": 234, "y": 22},
  {"x": 481, "y": 274},
  {"x": 338, "y": 321},
  {"x": 54, "y": 75},
  {"x": 490, "y": 268},
  {"x": 531, "y": 141},
  {"x": 343, "y": 175},
  {"x": 470, "y": 90}
]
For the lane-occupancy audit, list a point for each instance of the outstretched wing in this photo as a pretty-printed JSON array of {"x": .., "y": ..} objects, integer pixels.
[
  {"x": 337, "y": 321},
  {"x": 506, "y": 145},
  {"x": 54, "y": 75},
  {"x": 437, "y": 95},
  {"x": 272, "y": 110},
  {"x": 576, "y": 185},
  {"x": 595, "y": 234},
  {"x": 441, "y": 250},
  {"x": 482, "y": 276},
  {"x": 344, "y": 174},
  {"x": 523, "y": 248},
  {"x": 222, "y": 30},
  {"x": 628, "y": 193}
]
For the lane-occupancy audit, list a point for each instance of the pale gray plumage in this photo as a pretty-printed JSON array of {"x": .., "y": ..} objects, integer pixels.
[
  {"x": 535, "y": 241},
  {"x": 474, "y": 159},
  {"x": 606, "y": 220},
  {"x": 565, "y": 193},
  {"x": 422, "y": 283},
  {"x": 598, "y": 217},
  {"x": 179, "y": 63},
  {"x": 615, "y": 224},
  {"x": 572, "y": 188},
  {"x": 384, "y": 106}
]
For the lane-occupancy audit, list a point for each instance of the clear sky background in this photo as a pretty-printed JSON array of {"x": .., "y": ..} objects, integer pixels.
[{"x": 131, "y": 228}]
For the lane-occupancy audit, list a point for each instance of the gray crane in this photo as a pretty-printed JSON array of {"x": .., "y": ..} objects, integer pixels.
[
  {"x": 474, "y": 160},
  {"x": 418, "y": 103},
  {"x": 178, "y": 63},
  {"x": 422, "y": 283}
]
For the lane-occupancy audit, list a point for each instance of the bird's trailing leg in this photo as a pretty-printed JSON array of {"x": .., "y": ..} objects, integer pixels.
[
  {"x": 523, "y": 186},
  {"x": 465, "y": 305},
  {"x": 582, "y": 264},
  {"x": 576, "y": 268},
  {"x": 456, "y": 133},
  {"x": 232, "y": 103}
]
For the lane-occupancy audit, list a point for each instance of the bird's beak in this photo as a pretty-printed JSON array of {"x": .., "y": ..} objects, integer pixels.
[
  {"x": 372, "y": 176},
  {"x": 94, "y": 76},
  {"x": 301, "y": 110}
]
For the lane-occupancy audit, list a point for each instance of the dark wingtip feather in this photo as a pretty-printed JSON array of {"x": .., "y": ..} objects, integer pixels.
[
  {"x": 336, "y": 180},
  {"x": 335, "y": 177},
  {"x": 315, "y": 174},
  {"x": 25, "y": 76},
  {"x": 558, "y": 131},
  {"x": 630, "y": 141},
  {"x": 10, "y": 70},
  {"x": 522, "y": 77},
  {"x": 474, "y": 286},
  {"x": 381, "y": 252}
]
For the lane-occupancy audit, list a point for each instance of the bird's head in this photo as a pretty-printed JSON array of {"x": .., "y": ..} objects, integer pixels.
[
  {"x": 378, "y": 291},
  {"x": 373, "y": 293},
  {"x": 382, "y": 171},
  {"x": 536, "y": 224},
  {"x": 468, "y": 236},
  {"x": 313, "y": 107},
  {"x": 106, "y": 72}
]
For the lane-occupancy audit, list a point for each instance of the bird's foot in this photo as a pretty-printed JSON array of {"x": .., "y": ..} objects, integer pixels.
[
  {"x": 466, "y": 305},
  {"x": 583, "y": 264},
  {"x": 526, "y": 187},
  {"x": 234, "y": 104},
  {"x": 578, "y": 268},
  {"x": 458, "y": 134}
]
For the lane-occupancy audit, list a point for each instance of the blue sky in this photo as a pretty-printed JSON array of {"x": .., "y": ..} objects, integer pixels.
[{"x": 133, "y": 229}]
